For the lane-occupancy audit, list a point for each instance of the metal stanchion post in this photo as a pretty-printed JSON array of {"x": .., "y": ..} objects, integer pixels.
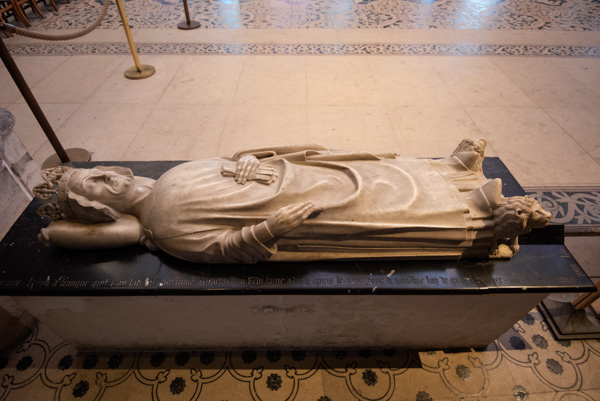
[
  {"x": 62, "y": 155},
  {"x": 139, "y": 71},
  {"x": 187, "y": 24}
]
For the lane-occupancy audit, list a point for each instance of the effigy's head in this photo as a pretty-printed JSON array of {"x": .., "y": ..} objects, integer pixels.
[
  {"x": 87, "y": 195},
  {"x": 519, "y": 214}
]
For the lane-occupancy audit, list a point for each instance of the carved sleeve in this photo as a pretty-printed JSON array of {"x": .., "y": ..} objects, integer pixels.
[
  {"x": 222, "y": 245},
  {"x": 125, "y": 231}
]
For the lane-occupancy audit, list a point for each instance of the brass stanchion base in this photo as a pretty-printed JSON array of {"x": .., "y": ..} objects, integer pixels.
[
  {"x": 133, "y": 73},
  {"x": 75, "y": 155},
  {"x": 191, "y": 25}
]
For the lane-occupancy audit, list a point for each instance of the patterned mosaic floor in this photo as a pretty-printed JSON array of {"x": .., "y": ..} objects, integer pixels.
[
  {"x": 526, "y": 363},
  {"x": 573, "y": 207},
  {"x": 422, "y": 15},
  {"x": 571, "y": 15}
]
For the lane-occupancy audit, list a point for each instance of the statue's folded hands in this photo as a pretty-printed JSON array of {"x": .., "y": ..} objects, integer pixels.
[{"x": 245, "y": 169}]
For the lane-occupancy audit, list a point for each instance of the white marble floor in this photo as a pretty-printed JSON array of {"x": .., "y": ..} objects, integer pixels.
[{"x": 540, "y": 114}]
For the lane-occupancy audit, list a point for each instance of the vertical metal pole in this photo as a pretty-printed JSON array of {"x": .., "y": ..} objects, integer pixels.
[
  {"x": 139, "y": 71},
  {"x": 188, "y": 23},
  {"x": 187, "y": 12},
  {"x": 13, "y": 69}
]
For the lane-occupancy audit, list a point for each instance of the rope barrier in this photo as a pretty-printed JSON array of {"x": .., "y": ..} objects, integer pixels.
[
  {"x": 35, "y": 35},
  {"x": 138, "y": 72}
]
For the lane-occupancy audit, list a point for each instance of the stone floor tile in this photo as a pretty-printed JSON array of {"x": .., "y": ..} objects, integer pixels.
[
  {"x": 501, "y": 37},
  {"x": 538, "y": 363},
  {"x": 33, "y": 69},
  {"x": 341, "y": 81},
  {"x": 583, "y": 125},
  {"x": 477, "y": 82},
  {"x": 432, "y": 131},
  {"x": 272, "y": 80},
  {"x": 547, "y": 84},
  {"x": 578, "y": 38},
  {"x": 534, "y": 148},
  {"x": 408, "y": 36},
  {"x": 590, "y": 368},
  {"x": 250, "y": 127},
  {"x": 357, "y": 128},
  {"x": 409, "y": 81},
  {"x": 285, "y": 36},
  {"x": 118, "y": 89},
  {"x": 76, "y": 79},
  {"x": 585, "y": 70},
  {"x": 591, "y": 394},
  {"x": 116, "y": 127},
  {"x": 27, "y": 127},
  {"x": 173, "y": 35},
  {"x": 586, "y": 250},
  {"x": 206, "y": 80},
  {"x": 179, "y": 132}
]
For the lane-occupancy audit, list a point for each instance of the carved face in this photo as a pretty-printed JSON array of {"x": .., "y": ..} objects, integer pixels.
[
  {"x": 107, "y": 187},
  {"x": 538, "y": 217}
]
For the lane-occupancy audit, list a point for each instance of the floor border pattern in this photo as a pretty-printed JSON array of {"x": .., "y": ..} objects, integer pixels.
[
  {"x": 305, "y": 49},
  {"x": 571, "y": 206}
]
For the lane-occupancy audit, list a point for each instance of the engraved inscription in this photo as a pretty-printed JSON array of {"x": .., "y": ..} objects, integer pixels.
[
  {"x": 268, "y": 281},
  {"x": 36, "y": 283},
  {"x": 375, "y": 280},
  {"x": 298, "y": 281},
  {"x": 66, "y": 281},
  {"x": 118, "y": 283},
  {"x": 99, "y": 283},
  {"x": 10, "y": 283},
  {"x": 565, "y": 280},
  {"x": 322, "y": 280},
  {"x": 408, "y": 280},
  {"x": 577, "y": 270},
  {"x": 219, "y": 281}
]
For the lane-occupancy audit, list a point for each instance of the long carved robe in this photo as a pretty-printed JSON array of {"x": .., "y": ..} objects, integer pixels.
[{"x": 368, "y": 206}]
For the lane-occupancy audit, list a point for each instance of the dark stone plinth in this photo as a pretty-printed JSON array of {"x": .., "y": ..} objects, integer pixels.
[{"x": 543, "y": 265}]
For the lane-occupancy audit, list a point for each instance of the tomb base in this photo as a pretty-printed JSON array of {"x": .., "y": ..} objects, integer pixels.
[
  {"x": 135, "y": 299},
  {"x": 281, "y": 321}
]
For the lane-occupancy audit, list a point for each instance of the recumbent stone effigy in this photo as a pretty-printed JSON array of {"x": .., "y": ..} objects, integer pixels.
[{"x": 295, "y": 203}]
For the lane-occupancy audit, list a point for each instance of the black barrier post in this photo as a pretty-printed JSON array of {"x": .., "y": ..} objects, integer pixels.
[{"x": 187, "y": 24}]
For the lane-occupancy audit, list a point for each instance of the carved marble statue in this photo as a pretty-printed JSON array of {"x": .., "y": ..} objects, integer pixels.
[{"x": 296, "y": 203}]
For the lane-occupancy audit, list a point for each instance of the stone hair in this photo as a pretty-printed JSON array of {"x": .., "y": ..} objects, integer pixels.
[{"x": 63, "y": 203}]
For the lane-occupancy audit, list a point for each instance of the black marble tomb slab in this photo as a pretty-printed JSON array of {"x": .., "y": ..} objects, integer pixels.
[{"x": 28, "y": 268}]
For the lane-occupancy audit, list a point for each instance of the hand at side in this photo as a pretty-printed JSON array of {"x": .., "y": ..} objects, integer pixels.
[{"x": 289, "y": 217}]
